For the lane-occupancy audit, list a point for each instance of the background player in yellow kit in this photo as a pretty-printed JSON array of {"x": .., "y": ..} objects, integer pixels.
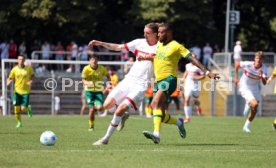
[
  {"x": 92, "y": 78},
  {"x": 23, "y": 77},
  {"x": 272, "y": 76}
]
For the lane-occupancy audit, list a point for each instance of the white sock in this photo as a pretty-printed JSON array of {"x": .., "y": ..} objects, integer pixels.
[
  {"x": 112, "y": 109},
  {"x": 112, "y": 126},
  {"x": 187, "y": 111},
  {"x": 156, "y": 133},
  {"x": 246, "y": 109},
  {"x": 247, "y": 123}
]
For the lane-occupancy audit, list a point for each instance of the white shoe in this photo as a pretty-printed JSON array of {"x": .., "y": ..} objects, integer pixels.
[
  {"x": 122, "y": 123},
  {"x": 187, "y": 120},
  {"x": 148, "y": 116},
  {"x": 101, "y": 142},
  {"x": 104, "y": 114},
  {"x": 69, "y": 70},
  {"x": 245, "y": 129}
]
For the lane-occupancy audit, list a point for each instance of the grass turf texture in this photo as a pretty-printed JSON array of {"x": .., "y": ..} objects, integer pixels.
[{"x": 210, "y": 142}]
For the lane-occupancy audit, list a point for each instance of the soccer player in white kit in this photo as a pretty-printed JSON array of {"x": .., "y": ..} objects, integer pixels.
[
  {"x": 192, "y": 75},
  {"x": 253, "y": 72},
  {"x": 129, "y": 94}
]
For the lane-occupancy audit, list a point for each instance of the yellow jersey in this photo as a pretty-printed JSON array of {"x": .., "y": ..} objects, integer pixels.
[
  {"x": 114, "y": 80},
  {"x": 167, "y": 58},
  {"x": 274, "y": 73},
  {"x": 21, "y": 77},
  {"x": 95, "y": 76}
]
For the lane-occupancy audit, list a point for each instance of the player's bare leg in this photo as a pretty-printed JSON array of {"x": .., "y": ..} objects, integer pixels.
[{"x": 253, "y": 111}]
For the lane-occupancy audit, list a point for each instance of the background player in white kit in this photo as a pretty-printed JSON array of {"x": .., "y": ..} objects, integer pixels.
[
  {"x": 192, "y": 75},
  {"x": 129, "y": 94},
  {"x": 254, "y": 71}
]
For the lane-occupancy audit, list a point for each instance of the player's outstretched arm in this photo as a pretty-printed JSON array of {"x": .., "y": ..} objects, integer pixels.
[
  {"x": 204, "y": 69},
  {"x": 270, "y": 79},
  {"x": 109, "y": 46}
]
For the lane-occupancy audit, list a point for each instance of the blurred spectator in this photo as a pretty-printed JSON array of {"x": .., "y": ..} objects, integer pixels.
[
  {"x": 207, "y": 52},
  {"x": 57, "y": 104},
  {"x": 22, "y": 49},
  {"x": 45, "y": 49},
  {"x": 59, "y": 49},
  {"x": 4, "y": 47},
  {"x": 74, "y": 54},
  {"x": 237, "y": 51},
  {"x": 83, "y": 50},
  {"x": 12, "y": 49},
  {"x": 216, "y": 48},
  {"x": 197, "y": 51},
  {"x": 35, "y": 47}
]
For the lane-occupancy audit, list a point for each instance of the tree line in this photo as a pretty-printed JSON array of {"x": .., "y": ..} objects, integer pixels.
[{"x": 195, "y": 22}]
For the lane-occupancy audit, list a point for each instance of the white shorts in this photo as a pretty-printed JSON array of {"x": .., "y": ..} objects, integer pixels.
[
  {"x": 57, "y": 107},
  {"x": 249, "y": 94},
  {"x": 190, "y": 92},
  {"x": 130, "y": 93},
  {"x": 191, "y": 89}
]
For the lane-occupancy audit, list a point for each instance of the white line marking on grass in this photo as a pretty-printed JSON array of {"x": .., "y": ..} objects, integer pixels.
[{"x": 154, "y": 150}]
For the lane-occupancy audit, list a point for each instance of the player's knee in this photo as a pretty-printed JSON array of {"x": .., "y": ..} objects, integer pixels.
[
  {"x": 121, "y": 109},
  {"x": 254, "y": 104},
  {"x": 154, "y": 104},
  {"x": 99, "y": 108},
  {"x": 109, "y": 102},
  {"x": 16, "y": 109}
]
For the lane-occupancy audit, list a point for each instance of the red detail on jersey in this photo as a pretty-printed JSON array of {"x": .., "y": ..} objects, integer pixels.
[
  {"x": 250, "y": 75},
  {"x": 132, "y": 102},
  {"x": 197, "y": 73},
  {"x": 126, "y": 47},
  {"x": 139, "y": 53}
]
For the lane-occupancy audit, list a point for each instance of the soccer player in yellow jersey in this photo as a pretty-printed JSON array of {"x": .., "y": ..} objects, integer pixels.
[
  {"x": 165, "y": 67},
  {"x": 92, "y": 78},
  {"x": 23, "y": 77},
  {"x": 272, "y": 76}
]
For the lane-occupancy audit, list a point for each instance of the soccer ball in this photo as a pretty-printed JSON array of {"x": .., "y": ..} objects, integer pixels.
[{"x": 48, "y": 138}]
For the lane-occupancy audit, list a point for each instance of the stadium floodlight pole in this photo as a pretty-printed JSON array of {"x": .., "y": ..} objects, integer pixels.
[{"x": 226, "y": 42}]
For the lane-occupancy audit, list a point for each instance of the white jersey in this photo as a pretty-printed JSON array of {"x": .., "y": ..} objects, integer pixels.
[
  {"x": 250, "y": 78},
  {"x": 142, "y": 71},
  {"x": 192, "y": 72}
]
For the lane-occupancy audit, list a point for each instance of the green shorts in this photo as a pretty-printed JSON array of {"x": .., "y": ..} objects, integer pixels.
[
  {"x": 21, "y": 99},
  {"x": 167, "y": 85},
  {"x": 175, "y": 99},
  {"x": 147, "y": 100},
  {"x": 94, "y": 98}
]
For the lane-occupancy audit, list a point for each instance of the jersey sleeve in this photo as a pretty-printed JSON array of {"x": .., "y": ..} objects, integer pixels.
[
  {"x": 84, "y": 73},
  {"x": 12, "y": 74},
  {"x": 184, "y": 52},
  {"x": 31, "y": 71},
  {"x": 200, "y": 72},
  {"x": 131, "y": 46},
  {"x": 274, "y": 71}
]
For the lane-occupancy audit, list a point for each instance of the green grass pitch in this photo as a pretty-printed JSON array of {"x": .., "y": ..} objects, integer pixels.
[{"x": 210, "y": 142}]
